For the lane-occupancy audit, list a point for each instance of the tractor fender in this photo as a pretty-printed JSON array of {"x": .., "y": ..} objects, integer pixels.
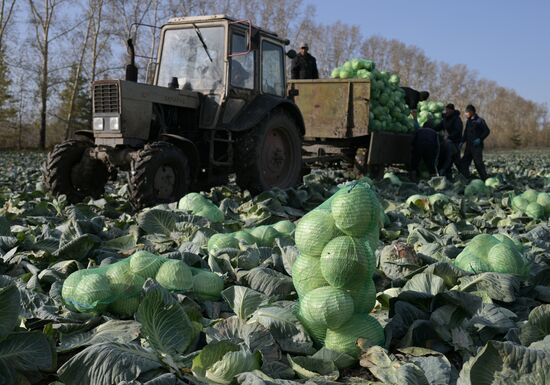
[
  {"x": 189, "y": 148},
  {"x": 260, "y": 108},
  {"x": 89, "y": 134}
]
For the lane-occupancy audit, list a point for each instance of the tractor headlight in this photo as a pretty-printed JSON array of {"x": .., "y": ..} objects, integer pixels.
[
  {"x": 113, "y": 124},
  {"x": 98, "y": 124}
]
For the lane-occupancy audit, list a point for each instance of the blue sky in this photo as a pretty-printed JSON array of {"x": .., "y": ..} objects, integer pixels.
[{"x": 506, "y": 41}]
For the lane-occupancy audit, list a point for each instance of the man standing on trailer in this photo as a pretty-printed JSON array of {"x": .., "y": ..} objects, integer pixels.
[{"x": 304, "y": 66}]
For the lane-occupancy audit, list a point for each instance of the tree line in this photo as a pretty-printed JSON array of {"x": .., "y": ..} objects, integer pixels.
[{"x": 52, "y": 50}]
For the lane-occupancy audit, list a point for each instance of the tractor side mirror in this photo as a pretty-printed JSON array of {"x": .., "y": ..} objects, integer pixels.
[{"x": 291, "y": 54}]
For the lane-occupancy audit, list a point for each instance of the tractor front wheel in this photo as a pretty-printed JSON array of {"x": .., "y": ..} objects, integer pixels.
[
  {"x": 68, "y": 170},
  {"x": 160, "y": 174}
]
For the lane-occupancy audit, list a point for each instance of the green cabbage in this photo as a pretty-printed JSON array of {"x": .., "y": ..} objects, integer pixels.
[
  {"x": 92, "y": 293},
  {"x": 535, "y": 211},
  {"x": 344, "y": 262},
  {"x": 207, "y": 285},
  {"x": 530, "y": 195},
  {"x": 314, "y": 231},
  {"x": 145, "y": 263},
  {"x": 499, "y": 254},
  {"x": 69, "y": 287},
  {"x": 519, "y": 203},
  {"x": 492, "y": 182},
  {"x": 543, "y": 199},
  {"x": 244, "y": 237},
  {"x": 201, "y": 206},
  {"x": 354, "y": 209},
  {"x": 285, "y": 227},
  {"x": 306, "y": 274},
  {"x": 265, "y": 235},
  {"x": 505, "y": 259},
  {"x": 123, "y": 282},
  {"x": 175, "y": 275},
  {"x": 125, "y": 307},
  {"x": 364, "y": 296},
  {"x": 476, "y": 188},
  {"x": 223, "y": 242},
  {"x": 344, "y": 338},
  {"x": 219, "y": 362},
  {"x": 326, "y": 307}
]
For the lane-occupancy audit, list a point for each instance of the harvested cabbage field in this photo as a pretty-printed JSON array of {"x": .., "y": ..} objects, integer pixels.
[{"x": 386, "y": 282}]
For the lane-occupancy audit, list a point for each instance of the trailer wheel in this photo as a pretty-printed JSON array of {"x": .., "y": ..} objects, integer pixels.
[
  {"x": 69, "y": 171},
  {"x": 160, "y": 174},
  {"x": 269, "y": 155}
]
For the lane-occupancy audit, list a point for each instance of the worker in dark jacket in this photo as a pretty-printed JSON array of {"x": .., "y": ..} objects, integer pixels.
[
  {"x": 304, "y": 66},
  {"x": 474, "y": 134},
  {"x": 426, "y": 146},
  {"x": 451, "y": 125}
]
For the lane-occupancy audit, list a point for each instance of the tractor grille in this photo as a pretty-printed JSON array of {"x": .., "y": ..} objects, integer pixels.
[{"x": 106, "y": 98}]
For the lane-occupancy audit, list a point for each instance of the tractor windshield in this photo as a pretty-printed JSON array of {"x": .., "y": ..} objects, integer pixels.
[{"x": 184, "y": 57}]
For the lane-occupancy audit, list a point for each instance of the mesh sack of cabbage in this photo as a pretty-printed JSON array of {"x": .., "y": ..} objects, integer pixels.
[
  {"x": 262, "y": 236},
  {"x": 493, "y": 253},
  {"x": 333, "y": 272},
  {"x": 116, "y": 288}
]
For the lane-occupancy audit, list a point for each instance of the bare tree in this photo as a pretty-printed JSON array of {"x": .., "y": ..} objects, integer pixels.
[
  {"x": 6, "y": 13},
  {"x": 77, "y": 78},
  {"x": 42, "y": 18}
]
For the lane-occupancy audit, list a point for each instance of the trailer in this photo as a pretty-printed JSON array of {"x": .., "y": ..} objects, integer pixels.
[{"x": 336, "y": 120}]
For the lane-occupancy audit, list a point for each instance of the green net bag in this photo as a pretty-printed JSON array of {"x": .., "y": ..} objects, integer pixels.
[
  {"x": 116, "y": 288},
  {"x": 333, "y": 273}
]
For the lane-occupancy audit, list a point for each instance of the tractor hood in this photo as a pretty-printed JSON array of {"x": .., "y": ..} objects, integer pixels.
[{"x": 123, "y": 110}]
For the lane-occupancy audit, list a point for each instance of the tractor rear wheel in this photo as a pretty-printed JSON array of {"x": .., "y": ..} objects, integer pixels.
[
  {"x": 160, "y": 174},
  {"x": 69, "y": 171},
  {"x": 269, "y": 155}
]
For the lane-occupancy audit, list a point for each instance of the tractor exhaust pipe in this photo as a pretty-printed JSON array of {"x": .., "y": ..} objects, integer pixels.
[{"x": 131, "y": 69}]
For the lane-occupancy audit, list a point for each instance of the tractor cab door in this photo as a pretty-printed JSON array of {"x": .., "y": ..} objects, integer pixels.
[{"x": 242, "y": 84}]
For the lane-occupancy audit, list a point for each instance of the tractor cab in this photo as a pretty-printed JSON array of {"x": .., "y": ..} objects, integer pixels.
[{"x": 227, "y": 61}]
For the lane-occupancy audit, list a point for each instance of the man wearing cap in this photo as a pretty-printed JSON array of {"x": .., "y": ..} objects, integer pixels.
[
  {"x": 304, "y": 66},
  {"x": 474, "y": 134},
  {"x": 452, "y": 127}
]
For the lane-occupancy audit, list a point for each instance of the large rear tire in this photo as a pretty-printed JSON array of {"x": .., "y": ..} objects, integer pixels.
[
  {"x": 160, "y": 174},
  {"x": 69, "y": 171},
  {"x": 269, "y": 155}
]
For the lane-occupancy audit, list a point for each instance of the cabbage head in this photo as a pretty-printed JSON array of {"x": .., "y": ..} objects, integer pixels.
[
  {"x": 354, "y": 209},
  {"x": 306, "y": 274},
  {"x": 207, "y": 285},
  {"x": 244, "y": 237},
  {"x": 222, "y": 241},
  {"x": 265, "y": 235},
  {"x": 314, "y": 231},
  {"x": 326, "y": 307},
  {"x": 145, "y": 264},
  {"x": 345, "y": 261},
  {"x": 343, "y": 339},
  {"x": 285, "y": 227},
  {"x": 175, "y": 275},
  {"x": 219, "y": 362},
  {"x": 535, "y": 211},
  {"x": 92, "y": 294}
]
